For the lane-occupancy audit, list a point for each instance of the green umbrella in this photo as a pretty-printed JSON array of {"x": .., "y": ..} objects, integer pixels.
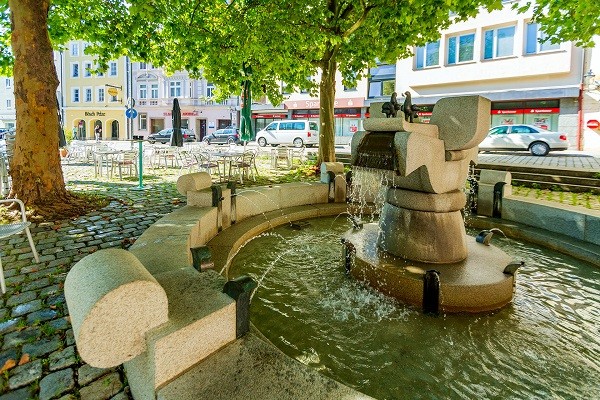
[{"x": 247, "y": 134}]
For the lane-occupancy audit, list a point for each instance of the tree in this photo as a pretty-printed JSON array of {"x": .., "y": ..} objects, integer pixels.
[{"x": 566, "y": 20}]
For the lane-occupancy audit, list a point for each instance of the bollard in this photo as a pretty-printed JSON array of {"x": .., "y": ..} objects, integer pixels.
[
  {"x": 431, "y": 292},
  {"x": 232, "y": 186},
  {"x": 217, "y": 201},
  {"x": 331, "y": 181},
  {"x": 240, "y": 289},
  {"x": 497, "y": 201},
  {"x": 201, "y": 258}
]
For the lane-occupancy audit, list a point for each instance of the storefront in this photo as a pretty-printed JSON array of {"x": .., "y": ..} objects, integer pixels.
[
  {"x": 101, "y": 124},
  {"x": 348, "y": 114},
  {"x": 543, "y": 114},
  {"x": 261, "y": 120}
]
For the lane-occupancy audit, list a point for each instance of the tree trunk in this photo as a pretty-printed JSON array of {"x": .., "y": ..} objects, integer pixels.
[
  {"x": 35, "y": 168},
  {"x": 327, "y": 116}
]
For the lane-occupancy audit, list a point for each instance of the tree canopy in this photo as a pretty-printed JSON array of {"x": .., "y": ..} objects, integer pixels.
[{"x": 284, "y": 43}]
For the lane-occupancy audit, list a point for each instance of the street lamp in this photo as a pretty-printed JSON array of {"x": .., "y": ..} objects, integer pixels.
[{"x": 590, "y": 82}]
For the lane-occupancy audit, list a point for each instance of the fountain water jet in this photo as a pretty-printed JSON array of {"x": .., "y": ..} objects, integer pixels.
[{"x": 421, "y": 227}]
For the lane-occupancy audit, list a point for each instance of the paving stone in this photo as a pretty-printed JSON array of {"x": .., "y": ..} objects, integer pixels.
[
  {"x": 21, "y": 298},
  {"x": 57, "y": 383},
  {"x": 25, "y": 374},
  {"x": 42, "y": 347},
  {"x": 50, "y": 290},
  {"x": 62, "y": 359},
  {"x": 26, "y": 308},
  {"x": 21, "y": 394},
  {"x": 18, "y": 338},
  {"x": 41, "y": 316},
  {"x": 7, "y": 355},
  {"x": 3, "y": 313},
  {"x": 60, "y": 324},
  {"x": 87, "y": 374},
  {"x": 103, "y": 388},
  {"x": 9, "y": 326},
  {"x": 121, "y": 396},
  {"x": 70, "y": 337},
  {"x": 37, "y": 284}
]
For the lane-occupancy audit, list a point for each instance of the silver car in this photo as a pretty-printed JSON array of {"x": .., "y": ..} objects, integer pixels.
[{"x": 524, "y": 137}]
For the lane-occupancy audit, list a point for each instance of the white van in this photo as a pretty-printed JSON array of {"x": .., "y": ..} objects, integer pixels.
[{"x": 293, "y": 132}]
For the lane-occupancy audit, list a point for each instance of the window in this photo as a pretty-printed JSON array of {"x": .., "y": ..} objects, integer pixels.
[
  {"x": 8, "y": 82},
  {"x": 75, "y": 95},
  {"x": 74, "y": 70},
  {"x": 87, "y": 66},
  {"x": 534, "y": 40},
  {"x": 143, "y": 118},
  {"x": 382, "y": 80},
  {"x": 113, "y": 99},
  {"x": 191, "y": 90},
  {"x": 112, "y": 68},
  {"x": 74, "y": 49},
  {"x": 175, "y": 89},
  {"x": 154, "y": 91},
  {"x": 460, "y": 48},
  {"x": 428, "y": 55},
  {"x": 100, "y": 95},
  {"x": 85, "y": 46},
  {"x": 143, "y": 91},
  {"x": 143, "y": 65},
  {"x": 100, "y": 74},
  {"x": 210, "y": 90},
  {"x": 498, "y": 42},
  {"x": 9, "y": 103},
  {"x": 88, "y": 95}
]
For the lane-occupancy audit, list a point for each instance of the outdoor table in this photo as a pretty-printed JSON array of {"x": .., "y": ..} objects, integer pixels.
[
  {"x": 226, "y": 158},
  {"x": 104, "y": 158}
]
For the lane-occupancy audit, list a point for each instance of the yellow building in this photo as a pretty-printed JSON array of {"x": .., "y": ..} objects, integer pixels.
[{"x": 93, "y": 104}]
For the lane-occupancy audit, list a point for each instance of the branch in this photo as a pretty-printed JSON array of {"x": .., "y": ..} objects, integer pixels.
[{"x": 360, "y": 21}]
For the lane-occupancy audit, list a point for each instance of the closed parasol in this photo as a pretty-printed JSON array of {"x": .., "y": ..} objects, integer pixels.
[{"x": 177, "y": 136}]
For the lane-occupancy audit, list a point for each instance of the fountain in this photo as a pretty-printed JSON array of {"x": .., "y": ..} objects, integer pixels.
[{"x": 419, "y": 251}]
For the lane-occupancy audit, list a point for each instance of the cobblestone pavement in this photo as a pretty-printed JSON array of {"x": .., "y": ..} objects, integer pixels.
[
  {"x": 37, "y": 354},
  {"x": 554, "y": 160}
]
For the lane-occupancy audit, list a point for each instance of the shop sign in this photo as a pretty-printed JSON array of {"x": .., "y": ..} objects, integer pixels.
[
  {"x": 270, "y": 116},
  {"x": 304, "y": 116},
  {"x": 542, "y": 110},
  {"x": 183, "y": 113},
  {"x": 347, "y": 115},
  {"x": 593, "y": 124},
  {"x": 94, "y": 114},
  {"x": 504, "y": 112},
  {"x": 424, "y": 113},
  {"x": 315, "y": 103}
]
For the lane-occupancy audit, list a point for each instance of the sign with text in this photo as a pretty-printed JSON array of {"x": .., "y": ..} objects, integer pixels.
[{"x": 351, "y": 102}]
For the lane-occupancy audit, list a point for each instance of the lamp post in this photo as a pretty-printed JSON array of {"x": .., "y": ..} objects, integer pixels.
[{"x": 589, "y": 81}]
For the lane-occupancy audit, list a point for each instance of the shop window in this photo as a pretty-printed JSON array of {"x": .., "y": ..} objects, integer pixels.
[
  {"x": 499, "y": 42},
  {"x": 461, "y": 48},
  {"x": 535, "y": 40},
  {"x": 428, "y": 55}
]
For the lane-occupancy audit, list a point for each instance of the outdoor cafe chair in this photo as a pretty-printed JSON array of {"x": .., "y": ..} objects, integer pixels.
[
  {"x": 14, "y": 228},
  {"x": 244, "y": 165},
  {"x": 126, "y": 159},
  {"x": 206, "y": 164}
]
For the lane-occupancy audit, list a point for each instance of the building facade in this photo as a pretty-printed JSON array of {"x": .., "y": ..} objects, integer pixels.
[
  {"x": 7, "y": 103},
  {"x": 93, "y": 103},
  {"x": 154, "y": 93}
]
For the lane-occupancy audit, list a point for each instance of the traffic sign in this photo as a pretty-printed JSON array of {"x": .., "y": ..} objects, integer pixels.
[
  {"x": 593, "y": 124},
  {"x": 131, "y": 113}
]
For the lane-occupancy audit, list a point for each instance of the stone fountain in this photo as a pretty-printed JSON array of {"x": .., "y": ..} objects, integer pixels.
[{"x": 419, "y": 251}]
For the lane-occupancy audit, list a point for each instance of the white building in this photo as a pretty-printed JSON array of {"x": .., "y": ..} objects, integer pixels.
[
  {"x": 7, "y": 103},
  {"x": 154, "y": 93}
]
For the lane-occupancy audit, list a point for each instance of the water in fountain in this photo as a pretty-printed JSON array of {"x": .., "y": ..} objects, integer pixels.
[{"x": 543, "y": 345}]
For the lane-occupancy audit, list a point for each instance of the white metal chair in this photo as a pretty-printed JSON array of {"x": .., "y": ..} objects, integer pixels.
[
  {"x": 7, "y": 230},
  {"x": 126, "y": 159}
]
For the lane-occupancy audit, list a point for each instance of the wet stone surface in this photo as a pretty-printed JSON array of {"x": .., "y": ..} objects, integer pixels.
[{"x": 38, "y": 356}]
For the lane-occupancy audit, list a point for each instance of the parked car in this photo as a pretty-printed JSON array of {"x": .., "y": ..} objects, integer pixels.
[
  {"x": 164, "y": 136},
  {"x": 292, "y": 132},
  {"x": 524, "y": 137},
  {"x": 226, "y": 135}
]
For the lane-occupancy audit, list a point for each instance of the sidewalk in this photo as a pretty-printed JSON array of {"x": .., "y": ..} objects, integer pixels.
[{"x": 555, "y": 160}]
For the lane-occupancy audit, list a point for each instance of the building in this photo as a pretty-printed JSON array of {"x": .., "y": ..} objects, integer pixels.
[
  {"x": 7, "y": 103},
  {"x": 154, "y": 92},
  {"x": 93, "y": 104}
]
